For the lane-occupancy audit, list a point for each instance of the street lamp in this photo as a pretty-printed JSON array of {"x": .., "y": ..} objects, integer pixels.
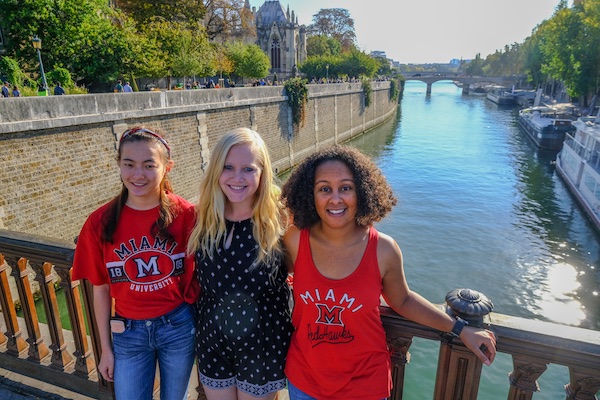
[{"x": 37, "y": 44}]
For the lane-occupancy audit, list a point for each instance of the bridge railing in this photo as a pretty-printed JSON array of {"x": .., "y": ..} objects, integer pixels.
[{"x": 67, "y": 357}]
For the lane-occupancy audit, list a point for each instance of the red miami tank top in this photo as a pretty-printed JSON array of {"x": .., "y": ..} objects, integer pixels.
[{"x": 338, "y": 348}]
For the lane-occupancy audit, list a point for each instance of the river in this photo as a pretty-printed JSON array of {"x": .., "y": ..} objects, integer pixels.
[{"x": 481, "y": 207}]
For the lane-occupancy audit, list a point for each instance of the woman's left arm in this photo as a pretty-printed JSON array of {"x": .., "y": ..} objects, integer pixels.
[{"x": 416, "y": 308}]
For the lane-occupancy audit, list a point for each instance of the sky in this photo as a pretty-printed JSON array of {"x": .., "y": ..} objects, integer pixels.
[{"x": 433, "y": 31}]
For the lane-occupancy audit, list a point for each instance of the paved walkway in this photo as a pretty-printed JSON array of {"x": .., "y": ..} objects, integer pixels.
[{"x": 18, "y": 387}]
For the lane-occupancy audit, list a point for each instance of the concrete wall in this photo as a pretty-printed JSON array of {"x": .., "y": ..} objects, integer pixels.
[{"x": 57, "y": 153}]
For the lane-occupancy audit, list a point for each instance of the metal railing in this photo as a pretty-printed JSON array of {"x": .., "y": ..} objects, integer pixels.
[{"x": 43, "y": 352}]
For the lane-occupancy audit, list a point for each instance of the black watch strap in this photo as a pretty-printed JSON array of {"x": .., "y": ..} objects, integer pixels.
[{"x": 458, "y": 326}]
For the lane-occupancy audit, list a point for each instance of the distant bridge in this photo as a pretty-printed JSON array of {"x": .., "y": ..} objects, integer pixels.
[{"x": 430, "y": 79}]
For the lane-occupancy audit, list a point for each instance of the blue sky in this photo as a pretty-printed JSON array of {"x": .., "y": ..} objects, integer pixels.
[{"x": 436, "y": 31}]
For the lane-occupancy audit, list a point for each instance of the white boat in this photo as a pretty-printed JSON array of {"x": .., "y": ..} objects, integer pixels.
[
  {"x": 546, "y": 126},
  {"x": 578, "y": 164},
  {"x": 501, "y": 96}
]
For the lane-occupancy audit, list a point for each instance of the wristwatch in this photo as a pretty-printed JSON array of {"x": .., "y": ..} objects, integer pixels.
[{"x": 458, "y": 326}]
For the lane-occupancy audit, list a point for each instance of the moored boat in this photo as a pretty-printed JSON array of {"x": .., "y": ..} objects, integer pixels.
[
  {"x": 501, "y": 96},
  {"x": 578, "y": 164},
  {"x": 546, "y": 126}
]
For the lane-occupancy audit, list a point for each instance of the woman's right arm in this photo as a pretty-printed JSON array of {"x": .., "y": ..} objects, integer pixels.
[{"x": 102, "y": 311}]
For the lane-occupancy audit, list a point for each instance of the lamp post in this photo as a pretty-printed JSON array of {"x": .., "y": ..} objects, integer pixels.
[
  {"x": 327, "y": 73},
  {"x": 37, "y": 44}
]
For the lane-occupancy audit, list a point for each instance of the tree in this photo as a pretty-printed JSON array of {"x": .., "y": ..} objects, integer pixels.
[
  {"x": 183, "y": 51},
  {"x": 357, "y": 63},
  {"x": 249, "y": 61},
  {"x": 533, "y": 58},
  {"x": 475, "y": 67},
  {"x": 227, "y": 20},
  {"x": 385, "y": 68},
  {"x": 317, "y": 67},
  {"x": 143, "y": 12},
  {"x": 335, "y": 23},
  {"x": 321, "y": 45},
  {"x": 76, "y": 34},
  {"x": 223, "y": 64}
]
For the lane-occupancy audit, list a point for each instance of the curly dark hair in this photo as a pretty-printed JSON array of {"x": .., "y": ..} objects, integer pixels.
[{"x": 374, "y": 195}]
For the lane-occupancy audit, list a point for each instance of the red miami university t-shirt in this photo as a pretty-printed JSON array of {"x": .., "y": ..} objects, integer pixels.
[{"x": 148, "y": 275}]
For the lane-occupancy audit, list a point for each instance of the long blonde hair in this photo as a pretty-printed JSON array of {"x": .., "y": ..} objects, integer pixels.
[{"x": 210, "y": 228}]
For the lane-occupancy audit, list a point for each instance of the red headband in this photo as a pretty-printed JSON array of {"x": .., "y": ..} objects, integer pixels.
[{"x": 130, "y": 132}]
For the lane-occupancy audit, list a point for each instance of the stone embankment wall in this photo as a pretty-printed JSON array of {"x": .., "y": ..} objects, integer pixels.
[{"x": 57, "y": 154}]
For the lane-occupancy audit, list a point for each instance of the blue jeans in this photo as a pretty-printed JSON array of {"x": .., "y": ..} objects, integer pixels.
[
  {"x": 297, "y": 394},
  {"x": 170, "y": 341}
]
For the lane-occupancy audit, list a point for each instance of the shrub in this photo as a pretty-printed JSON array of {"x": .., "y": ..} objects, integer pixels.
[{"x": 297, "y": 93}]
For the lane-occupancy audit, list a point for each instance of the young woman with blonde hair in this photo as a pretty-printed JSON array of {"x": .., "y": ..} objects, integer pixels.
[{"x": 243, "y": 316}]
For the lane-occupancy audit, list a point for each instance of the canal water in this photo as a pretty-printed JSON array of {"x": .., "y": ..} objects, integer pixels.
[{"x": 481, "y": 208}]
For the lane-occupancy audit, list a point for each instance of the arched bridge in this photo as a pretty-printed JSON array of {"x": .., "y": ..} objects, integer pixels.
[{"x": 430, "y": 79}]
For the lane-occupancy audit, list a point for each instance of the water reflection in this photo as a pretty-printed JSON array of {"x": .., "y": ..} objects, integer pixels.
[{"x": 481, "y": 207}]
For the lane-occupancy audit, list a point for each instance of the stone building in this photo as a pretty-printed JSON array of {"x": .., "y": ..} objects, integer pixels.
[{"x": 281, "y": 37}]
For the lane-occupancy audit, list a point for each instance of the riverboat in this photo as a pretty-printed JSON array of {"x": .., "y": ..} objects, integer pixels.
[
  {"x": 578, "y": 164},
  {"x": 501, "y": 96},
  {"x": 546, "y": 126}
]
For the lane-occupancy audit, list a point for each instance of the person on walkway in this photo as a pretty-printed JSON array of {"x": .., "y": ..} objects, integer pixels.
[
  {"x": 243, "y": 317},
  {"x": 59, "y": 90},
  {"x": 119, "y": 87},
  {"x": 127, "y": 88},
  {"x": 6, "y": 89},
  {"x": 16, "y": 92},
  {"x": 341, "y": 267},
  {"x": 132, "y": 250}
]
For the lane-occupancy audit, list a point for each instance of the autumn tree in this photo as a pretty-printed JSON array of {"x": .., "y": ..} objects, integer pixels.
[{"x": 228, "y": 20}]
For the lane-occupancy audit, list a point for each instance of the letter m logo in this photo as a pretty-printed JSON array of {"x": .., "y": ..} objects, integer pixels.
[
  {"x": 329, "y": 316},
  {"x": 147, "y": 269}
]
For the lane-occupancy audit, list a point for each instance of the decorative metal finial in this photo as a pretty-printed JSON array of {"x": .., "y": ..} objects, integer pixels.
[{"x": 468, "y": 304}]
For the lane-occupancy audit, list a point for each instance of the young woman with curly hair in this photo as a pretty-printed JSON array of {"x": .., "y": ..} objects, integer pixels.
[{"x": 341, "y": 266}]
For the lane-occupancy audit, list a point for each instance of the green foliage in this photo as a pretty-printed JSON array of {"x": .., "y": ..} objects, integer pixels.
[
  {"x": 321, "y": 45},
  {"x": 335, "y": 23},
  {"x": 248, "y": 60},
  {"x": 367, "y": 91},
  {"x": 76, "y": 34},
  {"x": 475, "y": 67},
  {"x": 172, "y": 49},
  {"x": 385, "y": 68},
  {"x": 144, "y": 12},
  {"x": 394, "y": 89},
  {"x": 297, "y": 93},
  {"x": 10, "y": 68},
  {"x": 315, "y": 67},
  {"x": 358, "y": 63},
  {"x": 61, "y": 75}
]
